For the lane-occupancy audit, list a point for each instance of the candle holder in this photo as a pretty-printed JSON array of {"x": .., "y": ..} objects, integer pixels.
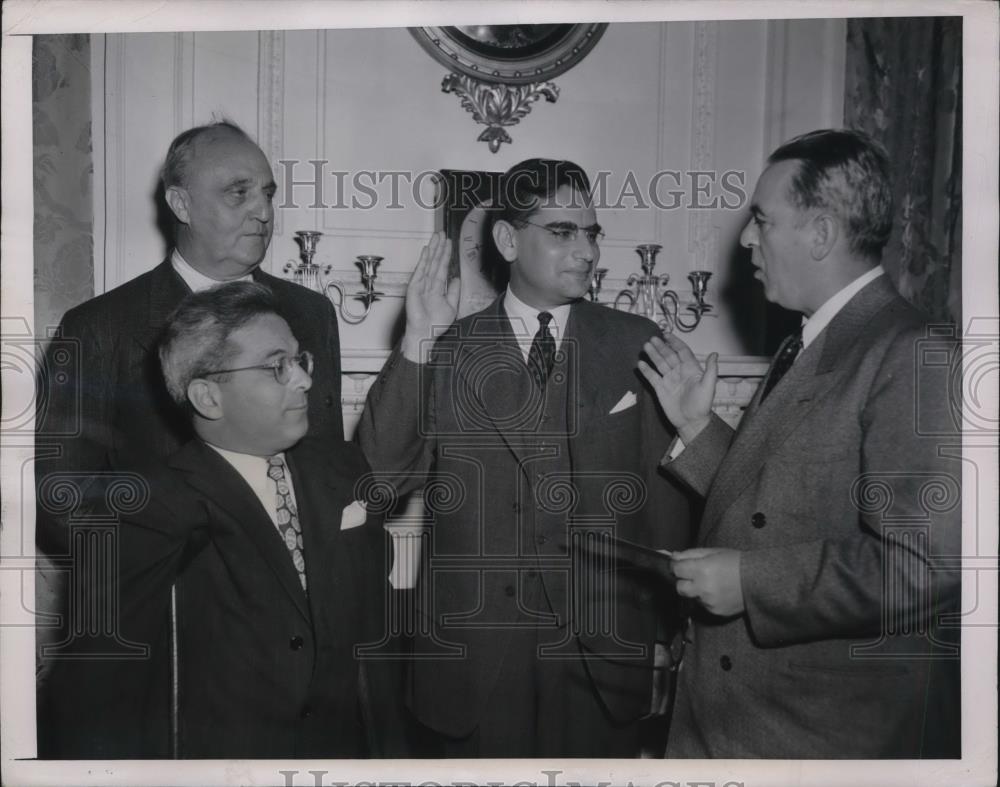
[
  {"x": 648, "y": 294},
  {"x": 310, "y": 274},
  {"x": 596, "y": 280}
]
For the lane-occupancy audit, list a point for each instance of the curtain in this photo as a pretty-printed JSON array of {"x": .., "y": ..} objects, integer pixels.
[
  {"x": 903, "y": 87},
  {"x": 63, "y": 170}
]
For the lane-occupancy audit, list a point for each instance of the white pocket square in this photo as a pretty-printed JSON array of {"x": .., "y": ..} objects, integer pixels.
[
  {"x": 627, "y": 401},
  {"x": 354, "y": 515}
]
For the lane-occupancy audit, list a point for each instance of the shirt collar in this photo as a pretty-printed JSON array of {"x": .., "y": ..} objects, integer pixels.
[
  {"x": 812, "y": 326},
  {"x": 196, "y": 280},
  {"x": 524, "y": 319},
  {"x": 252, "y": 468}
]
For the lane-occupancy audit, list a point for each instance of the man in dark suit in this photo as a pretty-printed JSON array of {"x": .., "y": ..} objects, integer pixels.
[
  {"x": 530, "y": 414},
  {"x": 279, "y": 573},
  {"x": 219, "y": 187},
  {"x": 817, "y": 583}
]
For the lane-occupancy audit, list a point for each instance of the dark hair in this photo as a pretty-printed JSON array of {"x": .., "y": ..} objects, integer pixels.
[
  {"x": 175, "y": 168},
  {"x": 847, "y": 172},
  {"x": 196, "y": 338},
  {"x": 523, "y": 190}
]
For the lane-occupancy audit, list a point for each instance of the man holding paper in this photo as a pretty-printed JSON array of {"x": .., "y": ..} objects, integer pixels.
[{"x": 816, "y": 584}]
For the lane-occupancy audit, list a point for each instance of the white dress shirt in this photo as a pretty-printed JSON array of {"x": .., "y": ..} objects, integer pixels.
[
  {"x": 811, "y": 326},
  {"x": 196, "y": 280},
  {"x": 253, "y": 470},
  {"x": 524, "y": 321}
]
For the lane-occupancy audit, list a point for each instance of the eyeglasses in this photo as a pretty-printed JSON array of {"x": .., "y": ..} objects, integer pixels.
[
  {"x": 568, "y": 232},
  {"x": 281, "y": 367}
]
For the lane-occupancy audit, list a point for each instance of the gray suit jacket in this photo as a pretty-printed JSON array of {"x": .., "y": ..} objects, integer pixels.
[{"x": 838, "y": 500}]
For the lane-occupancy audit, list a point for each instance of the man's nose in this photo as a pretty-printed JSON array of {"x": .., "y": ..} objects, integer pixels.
[
  {"x": 262, "y": 209},
  {"x": 584, "y": 249},
  {"x": 748, "y": 237},
  {"x": 301, "y": 380}
]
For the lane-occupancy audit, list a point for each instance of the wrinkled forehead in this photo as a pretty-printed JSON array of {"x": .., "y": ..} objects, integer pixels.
[
  {"x": 260, "y": 339},
  {"x": 774, "y": 187},
  {"x": 233, "y": 154},
  {"x": 566, "y": 204}
]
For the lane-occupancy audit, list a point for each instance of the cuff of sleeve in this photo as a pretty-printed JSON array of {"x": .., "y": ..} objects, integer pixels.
[{"x": 675, "y": 449}]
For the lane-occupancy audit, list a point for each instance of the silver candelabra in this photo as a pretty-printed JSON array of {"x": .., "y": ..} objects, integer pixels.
[
  {"x": 310, "y": 274},
  {"x": 648, "y": 294}
]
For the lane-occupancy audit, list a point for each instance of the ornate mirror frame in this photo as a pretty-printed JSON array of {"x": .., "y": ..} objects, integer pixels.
[{"x": 499, "y": 71}]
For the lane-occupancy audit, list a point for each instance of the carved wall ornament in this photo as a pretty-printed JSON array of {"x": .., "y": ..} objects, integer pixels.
[{"x": 500, "y": 71}]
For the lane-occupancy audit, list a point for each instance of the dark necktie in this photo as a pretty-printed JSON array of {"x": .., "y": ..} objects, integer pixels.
[
  {"x": 783, "y": 361},
  {"x": 543, "y": 350}
]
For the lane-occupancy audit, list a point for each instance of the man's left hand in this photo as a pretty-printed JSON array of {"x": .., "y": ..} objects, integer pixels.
[{"x": 712, "y": 576}]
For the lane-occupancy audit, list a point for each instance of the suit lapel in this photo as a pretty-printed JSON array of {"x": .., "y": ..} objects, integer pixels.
[
  {"x": 586, "y": 344},
  {"x": 166, "y": 290},
  {"x": 210, "y": 474},
  {"x": 497, "y": 381},
  {"x": 766, "y": 426},
  {"x": 321, "y": 493}
]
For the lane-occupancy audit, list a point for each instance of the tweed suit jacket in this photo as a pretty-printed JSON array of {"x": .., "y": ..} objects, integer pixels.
[
  {"x": 263, "y": 668},
  {"x": 824, "y": 489},
  {"x": 470, "y": 421}
]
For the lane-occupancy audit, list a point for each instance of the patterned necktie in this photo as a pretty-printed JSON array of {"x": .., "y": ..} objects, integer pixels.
[
  {"x": 783, "y": 361},
  {"x": 543, "y": 350},
  {"x": 288, "y": 518}
]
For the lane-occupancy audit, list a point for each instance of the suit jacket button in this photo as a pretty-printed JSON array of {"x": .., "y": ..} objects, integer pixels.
[
  {"x": 542, "y": 540},
  {"x": 516, "y": 507},
  {"x": 306, "y": 712},
  {"x": 758, "y": 520},
  {"x": 329, "y": 400},
  {"x": 296, "y": 642},
  {"x": 509, "y": 590},
  {"x": 726, "y": 663}
]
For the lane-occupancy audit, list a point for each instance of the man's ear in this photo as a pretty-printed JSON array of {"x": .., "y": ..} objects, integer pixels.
[
  {"x": 179, "y": 202},
  {"x": 205, "y": 397},
  {"x": 825, "y": 232},
  {"x": 505, "y": 239}
]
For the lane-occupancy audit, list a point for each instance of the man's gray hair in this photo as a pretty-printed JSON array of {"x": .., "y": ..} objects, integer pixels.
[
  {"x": 196, "y": 339},
  {"x": 846, "y": 172},
  {"x": 182, "y": 149}
]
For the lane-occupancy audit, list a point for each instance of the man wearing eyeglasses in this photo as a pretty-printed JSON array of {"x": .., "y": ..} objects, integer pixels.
[
  {"x": 110, "y": 397},
  {"x": 532, "y": 414},
  {"x": 278, "y": 570}
]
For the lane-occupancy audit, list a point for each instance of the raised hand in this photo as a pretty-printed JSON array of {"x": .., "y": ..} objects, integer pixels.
[
  {"x": 683, "y": 388},
  {"x": 431, "y": 300}
]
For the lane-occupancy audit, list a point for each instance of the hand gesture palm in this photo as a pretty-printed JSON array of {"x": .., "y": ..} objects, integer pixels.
[
  {"x": 431, "y": 300},
  {"x": 683, "y": 388}
]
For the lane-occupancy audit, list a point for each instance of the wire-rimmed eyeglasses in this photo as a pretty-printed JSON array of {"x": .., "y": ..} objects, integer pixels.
[
  {"x": 281, "y": 367},
  {"x": 569, "y": 232}
]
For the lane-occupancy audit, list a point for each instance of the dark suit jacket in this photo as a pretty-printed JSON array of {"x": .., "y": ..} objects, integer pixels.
[
  {"x": 465, "y": 420},
  {"x": 263, "y": 669},
  {"x": 834, "y": 491},
  {"x": 108, "y": 393}
]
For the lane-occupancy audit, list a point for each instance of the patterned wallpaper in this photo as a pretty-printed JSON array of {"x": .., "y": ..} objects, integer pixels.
[{"x": 63, "y": 171}]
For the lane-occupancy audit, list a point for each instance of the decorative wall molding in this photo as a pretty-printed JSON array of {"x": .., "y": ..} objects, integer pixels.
[
  {"x": 662, "y": 101},
  {"x": 703, "y": 237},
  {"x": 271, "y": 100},
  {"x": 739, "y": 377},
  {"x": 115, "y": 175},
  {"x": 184, "y": 51},
  {"x": 775, "y": 84}
]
